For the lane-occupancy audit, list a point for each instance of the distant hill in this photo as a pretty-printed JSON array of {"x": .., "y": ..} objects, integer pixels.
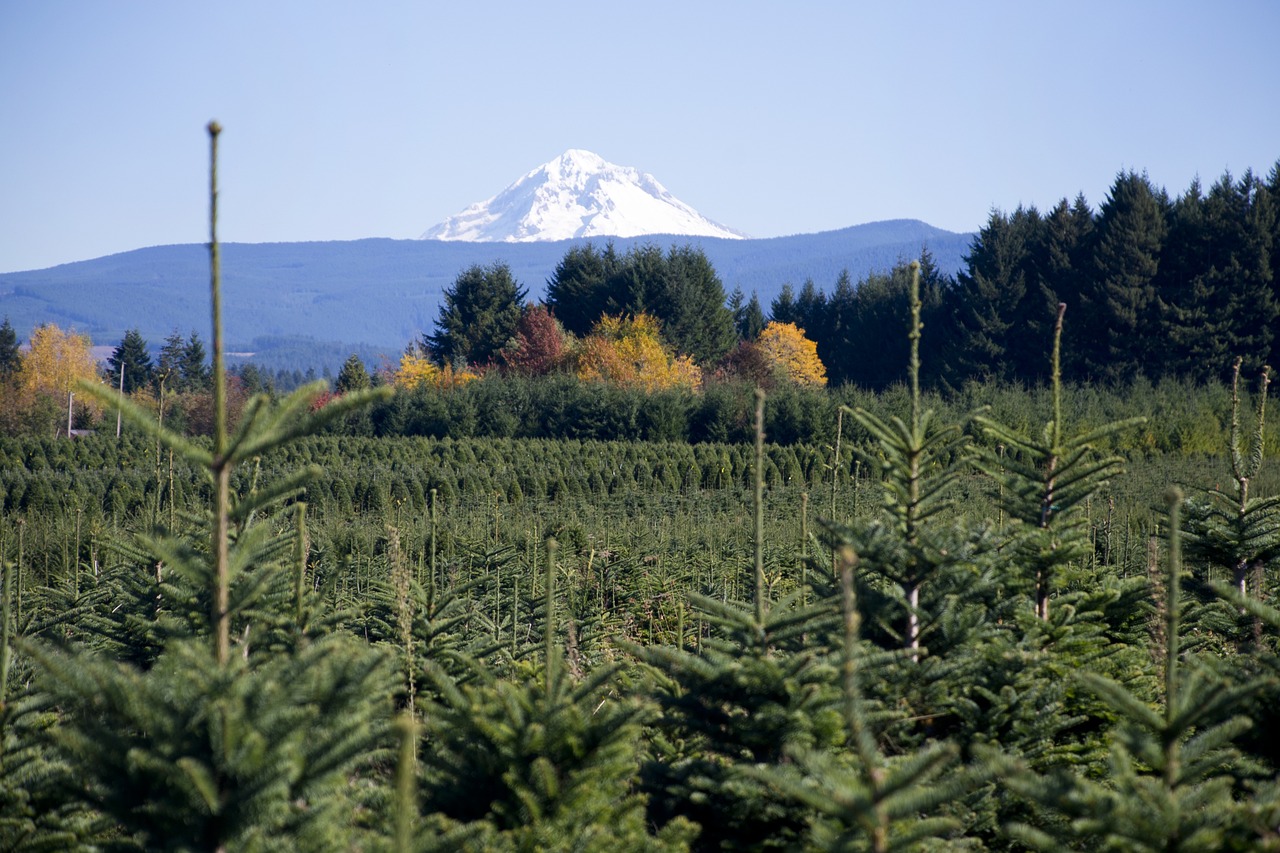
[{"x": 383, "y": 293}]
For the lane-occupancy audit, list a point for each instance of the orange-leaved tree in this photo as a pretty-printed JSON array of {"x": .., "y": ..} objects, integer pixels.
[
  {"x": 628, "y": 351},
  {"x": 416, "y": 371},
  {"x": 794, "y": 357}
]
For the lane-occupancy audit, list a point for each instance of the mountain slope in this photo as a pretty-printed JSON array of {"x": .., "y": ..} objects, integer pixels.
[
  {"x": 387, "y": 292},
  {"x": 578, "y": 195}
]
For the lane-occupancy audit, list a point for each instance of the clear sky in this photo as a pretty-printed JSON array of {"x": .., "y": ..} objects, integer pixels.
[{"x": 379, "y": 119}]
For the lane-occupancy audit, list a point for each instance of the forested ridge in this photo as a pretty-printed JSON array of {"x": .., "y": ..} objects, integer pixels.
[{"x": 549, "y": 603}]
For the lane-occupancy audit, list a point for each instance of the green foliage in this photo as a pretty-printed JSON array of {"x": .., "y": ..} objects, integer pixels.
[
  {"x": 131, "y": 355},
  {"x": 10, "y": 356},
  {"x": 477, "y": 318},
  {"x": 680, "y": 288}
]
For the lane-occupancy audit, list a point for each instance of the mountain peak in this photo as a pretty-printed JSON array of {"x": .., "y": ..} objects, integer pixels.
[{"x": 578, "y": 194}]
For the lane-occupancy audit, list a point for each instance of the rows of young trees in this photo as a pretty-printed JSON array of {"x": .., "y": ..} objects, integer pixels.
[
  {"x": 901, "y": 675},
  {"x": 240, "y": 674}
]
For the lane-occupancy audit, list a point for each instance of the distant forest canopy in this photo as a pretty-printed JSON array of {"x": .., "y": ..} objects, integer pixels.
[{"x": 1155, "y": 288}]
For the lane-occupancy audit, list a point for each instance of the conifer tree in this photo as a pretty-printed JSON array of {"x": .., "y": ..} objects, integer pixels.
[
  {"x": 748, "y": 316},
  {"x": 1043, "y": 482},
  {"x": 1120, "y": 304},
  {"x": 577, "y": 292},
  {"x": 1236, "y": 529},
  {"x": 754, "y": 692},
  {"x": 250, "y": 751},
  {"x": 1175, "y": 781},
  {"x": 353, "y": 376},
  {"x": 866, "y": 801},
  {"x": 477, "y": 318},
  {"x": 532, "y": 762},
  {"x": 783, "y": 308},
  {"x": 132, "y": 355},
  {"x": 919, "y": 461},
  {"x": 10, "y": 355}
]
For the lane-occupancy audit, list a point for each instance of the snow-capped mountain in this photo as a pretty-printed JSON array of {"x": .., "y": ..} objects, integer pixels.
[{"x": 578, "y": 194}]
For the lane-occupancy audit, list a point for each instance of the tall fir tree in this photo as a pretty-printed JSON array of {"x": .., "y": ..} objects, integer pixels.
[
  {"x": 577, "y": 292},
  {"x": 477, "y": 318},
  {"x": 1120, "y": 305},
  {"x": 995, "y": 299},
  {"x": 353, "y": 376},
  {"x": 749, "y": 319},
  {"x": 1215, "y": 284},
  {"x": 252, "y": 750},
  {"x": 132, "y": 355},
  {"x": 783, "y": 308},
  {"x": 690, "y": 302},
  {"x": 10, "y": 354}
]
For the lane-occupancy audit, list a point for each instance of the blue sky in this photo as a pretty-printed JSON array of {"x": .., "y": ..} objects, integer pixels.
[{"x": 350, "y": 120}]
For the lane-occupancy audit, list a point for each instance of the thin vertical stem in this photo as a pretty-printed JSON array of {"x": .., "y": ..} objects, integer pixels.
[
  {"x": 550, "y": 617},
  {"x": 406, "y": 781},
  {"x": 759, "y": 507},
  {"x": 1172, "y": 617},
  {"x": 300, "y": 566},
  {"x": 221, "y": 466}
]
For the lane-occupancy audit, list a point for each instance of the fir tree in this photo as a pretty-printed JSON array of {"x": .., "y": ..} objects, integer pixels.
[
  {"x": 1044, "y": 481},
  {"x": 783, "y": 308},
  {"x": 577, "y": 292},
  {"x": 919, "y": 461},
  {"x": 353, "y": 376},
  {"x": 1175, "y": 781},
  {"x": 10, "y": 355},
  {"x": 1120, "y": 305},
  {"x": 245, "y": 751},
  {"x": 478, "y": 317},
  {"x": 1236, "y": 529},
  {"x": 131, "y": 355}
]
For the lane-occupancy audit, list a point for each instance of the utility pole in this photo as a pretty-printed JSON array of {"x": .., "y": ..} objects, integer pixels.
[{"x": 71, "y": 395}]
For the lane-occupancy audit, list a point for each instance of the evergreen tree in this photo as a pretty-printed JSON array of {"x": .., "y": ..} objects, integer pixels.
[
  {"x": 1119, "y": 307},
  {"x": 749, "y": 319},
  {"x": 689, "y": 299},
  {"x": 783, "y": 308},
  {"x": 183, "y": 364},
  {"x": 10, "y": 355},
  {"x": 1234, "y": 529},
  {"x": 1061, "y": 273},
  {"x": 244, "y": 751},
  {"x": 577, "y": 292},
  {"x": 811, "y": 307},
  {"x": 478, "y": 317},
  {"x": 1217, "y": 289},
  {"x": 919, "y": 460},
  {"x": 1044, "y": 483},
  {"x": 132, "y": 354},
  {"x": 994, "y": 300},
  {"x": 1175, "y": 780},
  {"x": 353, "y": 376},
  {"x": 168, "y": 370}
]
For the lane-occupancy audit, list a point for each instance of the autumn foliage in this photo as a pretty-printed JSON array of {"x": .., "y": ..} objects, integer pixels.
[
  {"x": 415, "y": 371},
  {"x": 629, "y": 352},
  {"x": 539, "y": 345},
  {"x": 792, "y": 356}
]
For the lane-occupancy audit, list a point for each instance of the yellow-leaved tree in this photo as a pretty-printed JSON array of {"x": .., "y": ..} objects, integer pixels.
[
  {"x": 54, "y": 362},
  {"x": 792, "y": 356},
  {"x": 416, "y": 371},
  {"x": 628, "y": 351}
]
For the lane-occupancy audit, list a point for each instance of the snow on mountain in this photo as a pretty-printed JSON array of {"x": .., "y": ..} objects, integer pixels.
[{"x": 578, "y": 194}]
